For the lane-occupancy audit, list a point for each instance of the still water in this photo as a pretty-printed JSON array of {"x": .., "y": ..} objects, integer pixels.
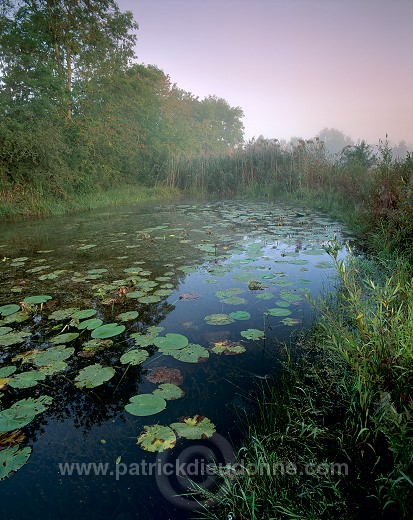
[{"x": 227, "y": 281}]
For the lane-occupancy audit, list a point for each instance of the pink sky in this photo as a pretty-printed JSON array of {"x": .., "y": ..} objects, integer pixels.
[{"x": 293, "y": 66}]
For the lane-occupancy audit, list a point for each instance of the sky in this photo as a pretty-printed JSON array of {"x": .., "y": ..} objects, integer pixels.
[{"x": 293, "y": 66}]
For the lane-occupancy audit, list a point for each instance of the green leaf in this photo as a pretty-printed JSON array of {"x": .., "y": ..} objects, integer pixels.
[
  {"x": 7, "y": 310},
  {"x": 22, "y": 413},
  {"x": 278, "y": 312},
  {"x": 127, "y": 316},
  {"x": 42, "y": 298},
  {"x": 93, "y": 376},
  {"x": 219, "y": 319},
  {"x": 197, "y": 427},
  {"x": 108, "y": 331},
  {"x": 253, "y": 334},
  {"x": 63, "y": 314},
  {"x": 240, "y": 315},
  {"x": 86, "y": 313},
  {"x": 192, "y": 353},
  {"x": 171, "y": 341},
  {"x": 12, "y": 338},
  {"x": 157, "y": 438},
  {"x": 134, "y": 357},
  {"x": 169, "y": 392},
  {"x": 64, "y": 338},
  {"x": 91, "y": 324},
  {"x": 12, "y": 459},
  {"x": 145, "y": 404},
  {"x": 27, "y": 379}
]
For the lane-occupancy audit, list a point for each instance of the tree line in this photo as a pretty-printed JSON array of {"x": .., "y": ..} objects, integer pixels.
[{"x": 78, "y": 113}]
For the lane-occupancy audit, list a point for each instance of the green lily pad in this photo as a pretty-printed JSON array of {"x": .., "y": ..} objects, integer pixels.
[
  {"x": 325, "y": 265},
  {"x": 27, "y": 379},
  {"x": 157, "y": 438},
  {"x": 234, "y": 300},
  {"x": 5, "y": 330},
  {"x": 264, "y": 296},
  {"x": 290, "y": 297},
  {"x": 12, "y": 459},
  {"x": 290, "y": 322},
  {"x": 52, "y": 355},
  {"x": 149, "y": 299},
  {"x": 17, "y": 317},
  {"x": 169, "y": 392},
  {"x": 7, "y": 371},
  {"x": 127, "y": 316},
  {"x": 278, "y": 312},
  {"x": 42, "y": 298},
  {"x": 240, "y": 315},
  {"x": 63, "y": 314},
  {"x": 227, "y": 348},
  {"x": 12, "y": 338},
  {"x": 219, "y": 319},
  {"x": 22, "y": 413},
  {"x": 7, "y": 310},
  {"x": 228, "y": 293},
  {"x": 253, "y": 334},
  {"x": 171, "y": 341},
  {"x": 145, "y": 404},
  {"x": 135, "y": 294},
  {"x": 192, "y": 353},
  {"x": 197, "y": 427},
  {"x": 108, "y": 331},
  {"x": 282, "y": 303},
  {"x": 93, "y": 376},
  {"x": 134, "y": 357},
  {"x": 86, "y": 313},
  {"x": 91, "y": 324},
  {"x": 64, "y": 338},
  {"x": 95, "y": 344}
]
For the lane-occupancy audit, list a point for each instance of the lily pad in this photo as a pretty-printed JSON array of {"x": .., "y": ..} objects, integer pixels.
[
  {"x": 64, "y": 338},
  {"x": 157, "y": 438},
  {"x": 91, "y": 324},
  {"x": 52, "y": 355},
  {"x": 197, "y": 427},
  {"x": 253, "y": 334},
  {"x": 134, "y": 357},
  {"x": 16, "y": 317},
  {"x": 264, "y": 296},
  {"x": 169, "y": 391},
  {"x": 135, "y": 294},
  {"x": 149, "y": 299},
  {"x": 12, "y": 459},
  {"x": 127, "y": 316},
  {"x": 42, "y": 298},
  {"x": 171, "y": 341},
  {"x": 7, "y": 310},
  {"x": 12, "y": 338},
  {"x": 22, "y": 413},
  {"x": 234, "y": 300},
  {"x": 290, "y": 322},
  {"x": 27, "y": 379},
  {"x": 62, "y": 314},
  {"x": 240, "y": 315},
  {"x": 93, "y": 376},
  {"x": 145, "y": 404},
  {"x": 7, "y": 371},
  {"x": 193, "y": 353},
  {"x": 278, "y": 312},
  {"x": 5, "y": 330},
  {"x": 219, "y": 319},
  {"x": 86, "y": 313},
  {"x": 227, "y": 348},
  {"x": 108, "y": 331}
]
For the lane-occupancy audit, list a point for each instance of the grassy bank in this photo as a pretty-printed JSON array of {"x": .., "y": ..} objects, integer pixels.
[
  {"x": 333, "y": 438},
  {"x": 23, "y": 203}
]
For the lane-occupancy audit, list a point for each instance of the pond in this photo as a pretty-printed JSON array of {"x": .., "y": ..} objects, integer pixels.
[{"x": 130, "y": 340}]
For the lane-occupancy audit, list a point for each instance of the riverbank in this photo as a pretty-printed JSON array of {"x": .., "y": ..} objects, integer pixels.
[{"x": 21, "y": 203}]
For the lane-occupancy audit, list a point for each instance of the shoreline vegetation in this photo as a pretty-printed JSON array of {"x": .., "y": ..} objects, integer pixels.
[{"x": 83, "y": 126}]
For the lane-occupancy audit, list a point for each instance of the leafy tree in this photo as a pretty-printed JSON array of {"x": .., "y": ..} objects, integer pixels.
[{"x": 334, "y": 140}]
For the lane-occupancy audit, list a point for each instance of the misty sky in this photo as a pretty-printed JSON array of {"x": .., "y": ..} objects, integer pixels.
[{"x": 293, "y": 66}]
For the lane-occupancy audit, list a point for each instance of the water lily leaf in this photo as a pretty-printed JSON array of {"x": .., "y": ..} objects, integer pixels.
[
  {"x": 108, "y": 331},
  {"x": 64, "y": 338},
  {"x": 234, "y": 300},
  {"x": 169, "y": 391},
  {"x": 149, "y": 299},
  {"x": 193, "y": 353},
  {"x": 22, "y": 413},
  {"x": 7, "y": 371},
  {"x": 171, "y": 341},
  {"x": 253, "y": 334},
  {"x": 288, "y": 296},
  {"x": 42, "y": 298},
  {"x": 5, "y": 330},
  {"x": 240, "y": 315},
  {"x": 145, "y": 404},
  {"x": 86, "y": 313},
  {"x": 135, "y": 294},
  {"x": 52, "y": 355},
  {"x": 93, "y": 376},
  {"x": 227, "y": 348},
  {"x": 163, "y": 292},
  {"x": 26, "y": 379},
  {"x": 165, "y": 375},
  {"x": 12, "y": 459},
  {"x": 91, "y": 324},
  {"x": 16, "y": 317},
  {"x": 157, "y": 438},
  {"x": 282, "y": 303},
  {"x": 324, "y": 265},
  {"x": 197, "y": 427},
  {"x": 290, "y": 322},
  {"x": 95, "y": 344},
  {"x": 52, "y": 276},
  {"x": 228, "y": 293},
  {"x": 219, "y": 319},
  {"x": 62, "y": 314},
  {"x": 264, "y": 296},
  {"x": 127, "y": 316},
  {"x": 12, "y": 338},
  {"x": 7, "y": 310},
  {"x": 134, "y": 357},
  {"x": 278, "y": 312}
]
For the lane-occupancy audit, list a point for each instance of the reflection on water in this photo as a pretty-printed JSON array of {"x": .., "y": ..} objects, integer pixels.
[{"x": 248, "y": 265}]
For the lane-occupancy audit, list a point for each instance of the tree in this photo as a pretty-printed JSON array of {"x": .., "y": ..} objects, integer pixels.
[{"x": 334, "y": 140}]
